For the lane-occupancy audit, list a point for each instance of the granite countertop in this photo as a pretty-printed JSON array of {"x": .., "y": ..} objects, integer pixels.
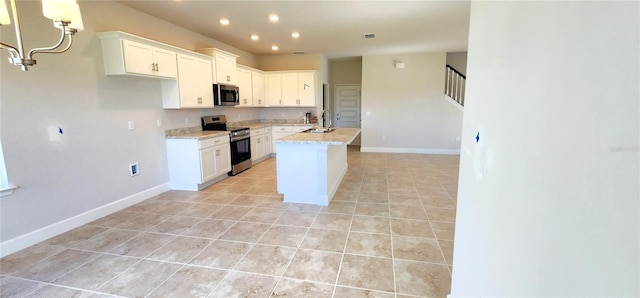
[
  {"x": 200, "y": 135},
  {"x": 340, "y": 136},
  {"x": 261, "y": 125}
]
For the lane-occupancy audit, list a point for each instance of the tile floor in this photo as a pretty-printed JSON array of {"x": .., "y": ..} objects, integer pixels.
[{"x": 387, "y": 233}]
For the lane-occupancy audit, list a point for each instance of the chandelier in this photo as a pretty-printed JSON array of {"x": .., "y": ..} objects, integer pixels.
[{"x": 65, "y": 15}]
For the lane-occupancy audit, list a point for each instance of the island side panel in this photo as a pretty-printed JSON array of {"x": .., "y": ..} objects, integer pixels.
[
  {"x": 336, "y": 168},
  {"x": 302, "y": 173}
]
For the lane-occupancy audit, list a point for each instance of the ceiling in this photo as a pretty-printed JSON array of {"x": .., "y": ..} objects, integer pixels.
[{"x": 333, "y": 28}]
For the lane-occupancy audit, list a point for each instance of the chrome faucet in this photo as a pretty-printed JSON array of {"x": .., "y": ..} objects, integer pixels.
[{"x": 324, "y": 118}]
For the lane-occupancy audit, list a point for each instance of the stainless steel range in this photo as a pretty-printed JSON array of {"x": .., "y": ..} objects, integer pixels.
[{"x": 239, "y": 141}]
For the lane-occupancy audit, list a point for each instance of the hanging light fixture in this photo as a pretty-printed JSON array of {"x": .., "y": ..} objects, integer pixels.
[{"x": 65, "y": 15}]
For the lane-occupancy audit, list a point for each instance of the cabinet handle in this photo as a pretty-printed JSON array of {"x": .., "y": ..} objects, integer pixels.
[
  {"x": 258, "y": 141},
  {"x": 199, "y": 99},
  {"x": 245, "y": 101},
  {"x": 157, "y": 67},
  {"x": 218, "y": 152},
  {"x": 297, "y": 101},
  {"x": 280, "y": 101},
  {"x": 259, "y": 101}
]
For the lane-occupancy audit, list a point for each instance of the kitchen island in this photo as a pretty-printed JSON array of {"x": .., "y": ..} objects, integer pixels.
[{"x": 310, "y": 166}]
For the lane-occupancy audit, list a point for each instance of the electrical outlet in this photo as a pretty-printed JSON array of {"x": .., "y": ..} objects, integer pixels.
[
  {"x": 384, "y": 138},
  {"x": 131, "y": 124},
  {"x": 186, "y": 120},
  {"x": 133, "y": 169},
  {"x": 159, "y": 123}
]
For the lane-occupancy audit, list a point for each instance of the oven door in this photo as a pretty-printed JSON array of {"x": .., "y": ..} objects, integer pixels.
[{"x": 240, "y": 150}]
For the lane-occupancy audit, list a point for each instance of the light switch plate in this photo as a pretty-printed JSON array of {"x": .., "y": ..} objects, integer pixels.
[{"x": 131, "y": 124}]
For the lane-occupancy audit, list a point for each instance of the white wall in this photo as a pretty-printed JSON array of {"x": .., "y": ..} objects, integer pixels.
[
  {"x": 407, "y": 109},
  {"x": 553, "y": 90},
  {"x": 458, "y": 60},
  {"x": 62, "y": 176}
]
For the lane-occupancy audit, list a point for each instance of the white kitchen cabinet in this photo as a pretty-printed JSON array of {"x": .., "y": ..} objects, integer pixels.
[
  {"x": 257, "y": 144},
  {"x": 193, "y": 88},
  {"x": 257, "y": 84},
  {"x": 224, "y": 66},
  {"x": 195, "y": 164},
  {"x": 268, "y": 141},
  {"x": 292, "y": 89},
  {"x": 125, "y": 54},
  {"x": 246, "y": 87},
  {"x": 274, "y": 89},
  {"x": 281, "y": 131}
]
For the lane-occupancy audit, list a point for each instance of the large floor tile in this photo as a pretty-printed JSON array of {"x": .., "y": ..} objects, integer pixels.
[
  {"x": 96, "y": 272},
  {"x": 367, "y": 272},
  {"x": 296, "y": 218},
  {"x": 284, "y": 236},
  {"x": 57, "y": 265},
  {"x": 369, "y": 224},
  {"x": 209, "y": 228},
  {"x": 266, "y": 259},
  {"x": 297, "y": 288},
  {"x": 221, "y": 254},
  {"x": 411, "y": 227},
  {"x": 140, "y": 279},
  {"x": 27, "y": 257},
  {"x": 243, "y": 284},
  {"x": 332, "y": 221},
  {"x": 417, "y": 249},
  {"x": 329, "y": 240},
  {"x": 190, "y": 281},
  {"x": 375, "y": 245},
  {"x": 180, "y": 249},
  {"x": 142, "y": 245},
  {"x": 422, "y": 279},
  {"x": 314, "y": 265},
  {"x": 360, "y": 293},
  {"x": 245, "y": 231},
  {"x": 16, "y": 287}
]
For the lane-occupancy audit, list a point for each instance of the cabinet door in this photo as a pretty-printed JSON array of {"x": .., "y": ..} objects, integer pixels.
[
  {"x": 208, "y": 164},
  {"x": 225, "y": 69},
  {"x": 186, "y": 81},
  {"x": 257, "y": 86},
  {"x": 290, "y": 90},
  {"x": 204, "y": 94},
  {"x": 268, "y": 144},
  {"x": 165, "y": 61},
  {"x": 223, "y": 159},
  {"x": 244, "y": 83},
  {"x": 138, "y": 58},
  {"x": 274, "y": 89},
  {"x": 306, "y": 90}
]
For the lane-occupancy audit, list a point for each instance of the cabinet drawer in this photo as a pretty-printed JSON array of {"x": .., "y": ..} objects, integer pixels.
[
  {"x": 257, "y": 132},
  {"x": 282, "y": 128},
  {"x": 267, "y": 130},
  {"x": 299, "y": 128},
  {"x": 213, "y": 141}
]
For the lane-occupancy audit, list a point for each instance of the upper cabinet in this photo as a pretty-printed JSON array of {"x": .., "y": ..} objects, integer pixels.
[
  {"x": 257, "y": 84},
  {"x": 125, "y": 54},
  {"x": 193, "y": 89},
  {"x": 251, "y": 84},
  {"x": 224, "y": 66},
  {"x": 245, "y": 86},
  {"x": 292, "y": 89}
]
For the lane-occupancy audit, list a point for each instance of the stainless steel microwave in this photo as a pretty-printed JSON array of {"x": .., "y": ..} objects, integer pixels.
[{"x": 225, "y": 95}]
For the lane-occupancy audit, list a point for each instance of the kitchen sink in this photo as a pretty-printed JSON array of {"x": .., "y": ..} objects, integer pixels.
[{"x": 319, "y": 130}]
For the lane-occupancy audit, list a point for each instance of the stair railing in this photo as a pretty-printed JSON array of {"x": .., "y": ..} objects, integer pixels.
[{"x": 455, "y": 84}]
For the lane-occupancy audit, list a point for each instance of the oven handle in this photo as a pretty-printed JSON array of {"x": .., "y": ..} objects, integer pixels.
[{"x": 240, "y": 138}]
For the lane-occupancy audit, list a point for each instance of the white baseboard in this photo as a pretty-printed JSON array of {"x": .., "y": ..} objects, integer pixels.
[
  {"x": 23, "y": 241},
  {"x": 410, "y": 150}
]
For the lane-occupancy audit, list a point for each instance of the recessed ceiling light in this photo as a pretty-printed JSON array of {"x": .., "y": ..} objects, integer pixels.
[
  {"x": 255, "y": 37},
  {"x": 273, "y": 18},
  {"x": 295, "y": 34},
  {"x": 224, "y": 21},
  {"x": 274, "y": 47}
]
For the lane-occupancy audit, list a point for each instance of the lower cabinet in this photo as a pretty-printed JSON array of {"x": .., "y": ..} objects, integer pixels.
[
  {"x": 261, "y": 143},
  {"x": 194, "y": 163},
  {"x": 281, "y": 131}
]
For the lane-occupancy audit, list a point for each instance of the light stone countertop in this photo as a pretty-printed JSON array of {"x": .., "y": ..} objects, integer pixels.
[
  {"x": 340, "y": 136},
  {"x": 200, "y": 135}
]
